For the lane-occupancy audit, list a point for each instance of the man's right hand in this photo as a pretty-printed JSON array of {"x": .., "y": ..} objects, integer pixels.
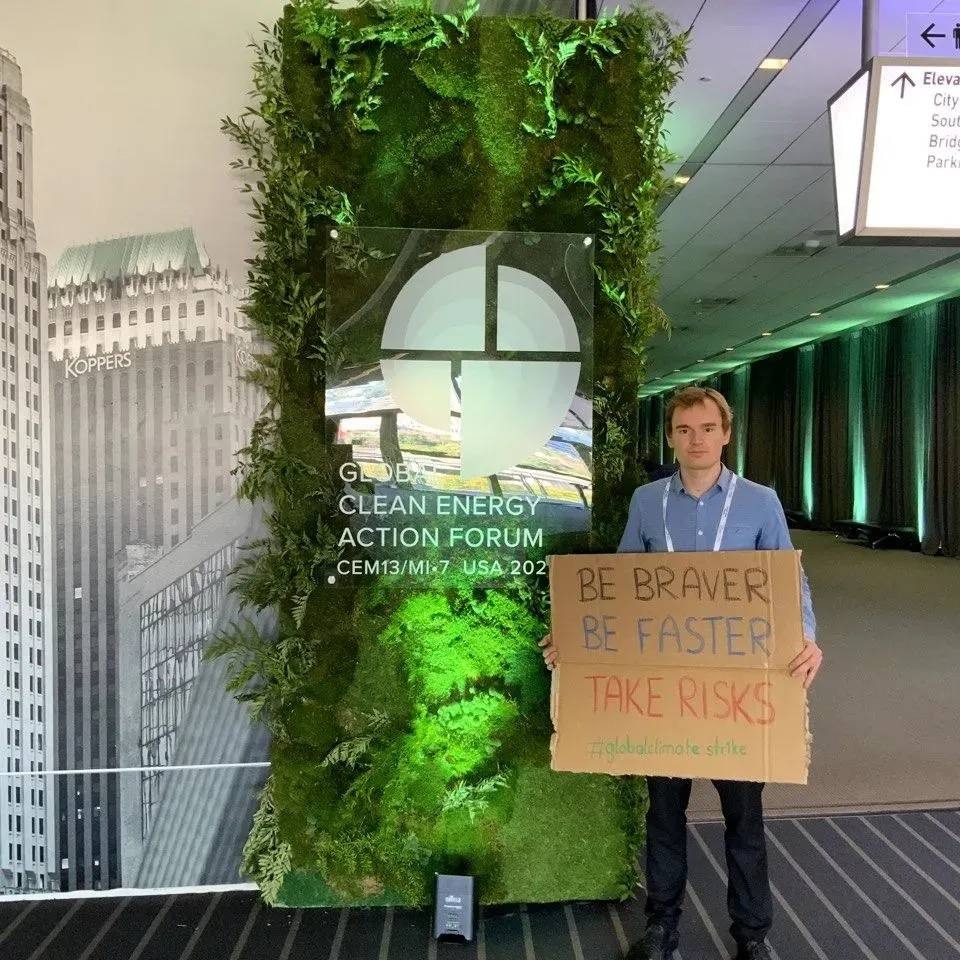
[{"x": 549, "y": 652}]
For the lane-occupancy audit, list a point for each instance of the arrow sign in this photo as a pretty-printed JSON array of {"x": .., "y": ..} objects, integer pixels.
[
  {"x": 933, "y": 34},
  {"x": 928, "y": 36},
  {"x": 903, "y": 80}
]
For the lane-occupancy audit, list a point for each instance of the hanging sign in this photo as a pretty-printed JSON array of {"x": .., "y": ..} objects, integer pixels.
[{"x": 895, "y": 130}]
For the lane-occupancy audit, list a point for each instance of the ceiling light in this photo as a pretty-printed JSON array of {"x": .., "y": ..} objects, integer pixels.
[
  {"x": 701, "y": 361},
  {"x": 816, "y": 313},
  {"x": 766, "y": 334},
  {"x": 882, "y": 286},
  {"x": 681, "y": 179},
  {"x": 774, "y": 63}
]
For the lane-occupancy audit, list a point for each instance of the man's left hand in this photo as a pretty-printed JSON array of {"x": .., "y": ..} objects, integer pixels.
[{"x": 806, "y": 664}]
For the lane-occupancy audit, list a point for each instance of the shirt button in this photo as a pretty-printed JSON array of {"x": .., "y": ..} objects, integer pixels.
[
  {"x": 699, "y": 503},
  {"x": 699, "y": 533}
]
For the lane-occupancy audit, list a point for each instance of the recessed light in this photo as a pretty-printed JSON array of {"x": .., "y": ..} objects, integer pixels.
[
  {"x": 681, "y": 180},
  {"x": 729, "y": 349},
  {"x": 882, "y": 286},
  {"x": 816, "y": 313},
  {"x": 766, "y": 333},
  {"x": 701, "y": 361},
  {"x": 773, "y": 63}
]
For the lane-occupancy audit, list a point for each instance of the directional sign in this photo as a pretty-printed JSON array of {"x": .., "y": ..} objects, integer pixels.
[
  {"x": 896, "y": 141},
  {"x": 933, "y": 34}
]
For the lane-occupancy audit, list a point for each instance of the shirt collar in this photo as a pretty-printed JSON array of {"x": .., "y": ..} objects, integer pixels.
[{"x": 723, "y": 481}]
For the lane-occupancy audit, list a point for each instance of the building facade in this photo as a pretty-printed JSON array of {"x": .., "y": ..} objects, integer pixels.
[
  {"x": 147, "y": 350},
  {"x": 175, "y": 710},
  {"x": 25, "y": 751}
]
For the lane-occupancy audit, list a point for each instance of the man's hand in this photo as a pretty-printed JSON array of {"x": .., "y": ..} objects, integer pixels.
[
  {"x": 549, "y": 652},
  {"x": 806, "y": 663}
]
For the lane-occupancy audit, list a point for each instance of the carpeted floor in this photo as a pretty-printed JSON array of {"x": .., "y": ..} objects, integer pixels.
[
  {"x": 885, "y": 709},
  {"x": 873, "y": 887}
]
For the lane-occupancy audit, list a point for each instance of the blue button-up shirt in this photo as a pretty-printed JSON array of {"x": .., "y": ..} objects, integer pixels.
[{"x": 756, "y": 522}]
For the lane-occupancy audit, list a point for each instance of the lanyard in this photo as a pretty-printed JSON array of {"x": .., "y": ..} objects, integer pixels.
[{"x": 722, "y": 526}]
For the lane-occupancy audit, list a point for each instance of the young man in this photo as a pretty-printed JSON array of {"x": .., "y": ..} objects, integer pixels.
[{"x": 705, "y": 506}]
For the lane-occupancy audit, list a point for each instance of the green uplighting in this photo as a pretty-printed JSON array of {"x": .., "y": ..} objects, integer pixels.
[
  {"x": 805, "y": 361},
  {"x": 857, "y": 455},
  {"x": 921, "y": 352},
  {"x": 740, "y": 400}
]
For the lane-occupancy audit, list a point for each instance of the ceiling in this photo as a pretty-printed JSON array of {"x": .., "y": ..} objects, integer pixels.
[{"x": 749, "y": 244}]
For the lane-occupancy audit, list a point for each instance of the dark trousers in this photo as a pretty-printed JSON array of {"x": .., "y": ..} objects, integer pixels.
[{"x": 748, "y": 887}]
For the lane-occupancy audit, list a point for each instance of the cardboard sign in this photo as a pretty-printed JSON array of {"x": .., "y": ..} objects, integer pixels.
[{"x": 676, "y": 664}]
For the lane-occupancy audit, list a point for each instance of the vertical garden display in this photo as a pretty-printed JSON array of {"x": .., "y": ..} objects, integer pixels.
[{"x": 409, "y": 716}]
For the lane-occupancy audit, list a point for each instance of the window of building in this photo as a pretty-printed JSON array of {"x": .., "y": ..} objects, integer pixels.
[
  {"x": 116, "y": 320},
  {"x": 218, "y": 431},
  {"x": 20, "y": 189},
  {"x": 20, "y": 132},
  {"x": 84, "y": 324},
  {"x": 208, "y": 392},
  {"x": 164, "y": 313},
  {"x": 200, "y": 308},
  {"x": 101, "y": 322},
  {"x": 182, "y": 310},
  {"x": 218, "y": 457},
  {"x": 67, "y": 327},
  {"x": 208, "y": 367},
  {"x": 132, "y": 318},
  {"x": 51, "y": 329},
  {"x": 148, "y": 316}
]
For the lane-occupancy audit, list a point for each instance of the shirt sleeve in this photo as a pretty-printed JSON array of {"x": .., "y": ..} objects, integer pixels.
[
  {"x": 775, "y": 535},
  {"x": 632, "y": 539}
]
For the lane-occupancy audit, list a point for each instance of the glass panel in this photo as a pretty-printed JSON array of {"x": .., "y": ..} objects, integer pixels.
[{"x": 460, "y": 375}]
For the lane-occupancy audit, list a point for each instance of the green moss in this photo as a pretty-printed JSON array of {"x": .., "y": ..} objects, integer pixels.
[
  {"x": 411, "y": 728},
  {"x": 583, "y": 826}
]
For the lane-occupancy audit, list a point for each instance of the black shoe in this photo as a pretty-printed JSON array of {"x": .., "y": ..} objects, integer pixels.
[
  {"x": 753, "y": 950},
  {"x": 654, "y": 945}
]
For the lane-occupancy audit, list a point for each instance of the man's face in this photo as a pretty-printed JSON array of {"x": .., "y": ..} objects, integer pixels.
[{"x": 698, "y": 437}]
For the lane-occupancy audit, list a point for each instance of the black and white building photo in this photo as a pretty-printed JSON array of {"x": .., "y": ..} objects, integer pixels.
[{"x": 147, "y": 350}]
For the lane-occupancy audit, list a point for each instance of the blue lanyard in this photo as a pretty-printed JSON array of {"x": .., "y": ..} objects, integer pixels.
[{"x": 722, "y": 526}]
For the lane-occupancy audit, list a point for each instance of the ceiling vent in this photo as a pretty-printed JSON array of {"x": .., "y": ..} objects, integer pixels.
[
  {"x": 712, "y": 303},
  {"x": 798, "y": 251}
]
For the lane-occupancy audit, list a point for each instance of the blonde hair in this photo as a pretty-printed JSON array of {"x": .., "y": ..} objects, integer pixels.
[{"x": 690, "y": 397}]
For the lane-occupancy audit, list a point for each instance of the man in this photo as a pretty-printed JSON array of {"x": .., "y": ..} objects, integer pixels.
[{"x": 705, "y": 506}]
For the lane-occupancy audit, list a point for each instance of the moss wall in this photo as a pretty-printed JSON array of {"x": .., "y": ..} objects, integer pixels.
[{"x": 410, "y": 728}]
